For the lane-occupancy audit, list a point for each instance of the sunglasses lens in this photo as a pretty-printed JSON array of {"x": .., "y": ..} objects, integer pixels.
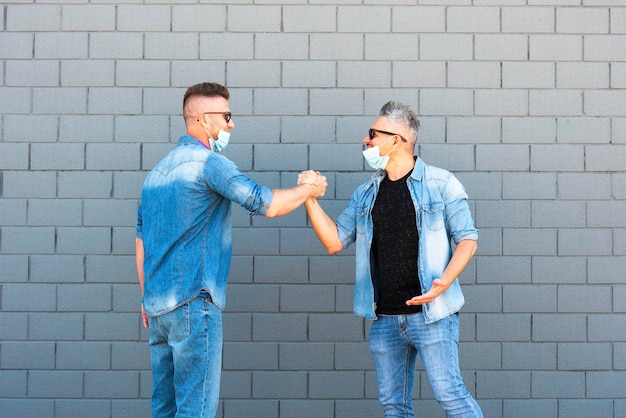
[
  {"x": 371, "y": 133},
  {"x": 227, "y": 116}
]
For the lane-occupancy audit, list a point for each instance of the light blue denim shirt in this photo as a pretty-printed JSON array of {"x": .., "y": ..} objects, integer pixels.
[
  {"x": 442, "y": 215},
  {"x": 184, "y": 221}
]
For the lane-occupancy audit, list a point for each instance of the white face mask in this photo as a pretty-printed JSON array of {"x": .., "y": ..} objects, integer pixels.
[
  {"x": 221, "y": 142},
  {"x": 374, "y": 159}
]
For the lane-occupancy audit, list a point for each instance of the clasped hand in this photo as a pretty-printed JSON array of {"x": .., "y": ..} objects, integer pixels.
[{"x": 316, "y": 179}]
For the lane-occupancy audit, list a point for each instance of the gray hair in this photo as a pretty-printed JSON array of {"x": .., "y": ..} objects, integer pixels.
[{"x": 403, "y": 114}]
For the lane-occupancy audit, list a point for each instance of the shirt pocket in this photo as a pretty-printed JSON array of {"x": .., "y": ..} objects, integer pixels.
[
  {"x": 361, "y": 215},
  {"x": 433, "y": 216}
]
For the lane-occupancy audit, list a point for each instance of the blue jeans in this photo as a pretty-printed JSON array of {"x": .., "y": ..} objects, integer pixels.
[
  {"x": 186, "y": 353},
  {"x": 395, "y": 342}
]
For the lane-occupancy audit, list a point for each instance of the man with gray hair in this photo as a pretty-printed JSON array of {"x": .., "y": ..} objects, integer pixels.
[{"x": 403, "y": 221}]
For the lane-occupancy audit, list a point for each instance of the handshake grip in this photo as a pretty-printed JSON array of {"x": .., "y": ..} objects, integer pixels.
[{"x": 315, "y": 179}]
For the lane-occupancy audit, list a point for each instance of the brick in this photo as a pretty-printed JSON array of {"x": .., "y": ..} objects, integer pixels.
[
  {"x": 27, "y": 18},
  {"x": 555, "y": 47},
  {"x": 260, "y": 18},
  {"x": 515, "y": 408},
  {"x": 559, "y": 214},
  {"x": 363, "y": 74},
  {"x": 583, "y": 130},
  {"x": 86, "y": 128},
  {"x": 335, "y": 46},
  {"x": 418, "y": 74},
  {"x": 474, "y": 19},
  {"x": 82, "y": 408},
  {"x": 603, "y": 103},
  {"x": 588, "y": 75},
  {"x": 585, "y": 356},
  {"x": 557, "y": 158},
  {"x": 618, "y": 75},
  {"x": 65, "y": 100},
  {"x": 499, "y": 327},
  {"x": 14, "y": 156},
  {"x": 529, "y": 186},
  {"x": 61, "y": 45},
  {"x": 484, "y": 356},
  {"x": 502, "y": 157},
  {"x": 16, "y": 45},
  {"x": 15, "y": 100},
  {"x": 142, "y": 73},
  {"x": 236, "y": 384},
  {"x": 418, "y": 19},
  {"x": 84, "y": 240},
  {"x": 279, "y": 384},
  {"x": 131, "y": 407},
  {"x": 620, "y": 242},
  {"x": 112, "y": 156},
  {"x": 586, "y": 407},
  {"x": 279, "y": 101},
  {"x": 335, "y": 327},
  {"x": 474, "y": 74},
  {"x": 115, "y": 269},
  {"x": 349, "y": 18},
  {"x": 618, "y": 20},
  {"x": 528, "y": 130},
  {"x": 237, "y": 327},
  {"x": 453, "y": 157},
  {"x": 308, "y": 408},
  {"x": 306, "y": 356},
  {"x": 309, "y": 74},
  {"x": 198, "y": 18},
  {"x": 455, "y": 102},
  {"x": 31, "y": 128},
  {"x": 32, "y": 73},
  {"x": 55, "y": 326},
  {"x": 597, "y": 299},
  {"x": 56, "y": 268},
  {"x": 608, "y": 270},
  {"x": 605, "y": 48},
  {"x": 83, "y": 355},
  {"x": 281, "y": 46},
  {"x": 88, "y": 18},
  {"x": 32, "y": 240},
  {"x": 501, "y": 47},
  {"x": 130, "y": 356},
  {"x": 116, "y": 45},
  {"x": 187, "y": 73},
  {"x": 249, "y": 408},
  {"x": 474, "y": 130},
  {"x": 263, "y": 298},
  {"x": 14, "y": 326},
  {"x": 13, "y": 384},
  {"x": 558, "y": 102},
  {"x": 605, "y": 384},
  {"x": 126, "y": 298},
  {"x": 559, "y": 327},
  {"x": 445, "y": 47},
  {"x": 507, "y": 269},
  {"x": 528, "y": 19},
  {"x": 353, "y": 356},
  {"x": 87, "y": 73},
  {"x": 41, "y": 408},
  {"x": 584, "y": 186},
  {"x": 55, "y": 384},
  {"x": 307, "y": 298},
  {"x": 334, "y": 102},
  {"x": 506, "y": 102},
  {"x": 606, "y": 158},
  {"x": 310, "y": 19},
  {"x": 558, "y": 384},
  {"x": 559, "y": 270},
  {"x": 57, "y": 156},
  {"x": 603, "y": 214},
  {"x": 336, "y": 384},
  {"x": 529, "y": 356},
  {"x": 279, "y": 327},
  {"x": 530, "y": 298},
  {"x": 618, "y": 128},
  {"x": 504, "y": 385},
  {"x": 594, "y": 242},
  {"x": 13, "y": 268},
  {"x": 111, "y": 384},
  {"x": 532, "y": 75},
  {"x": 27, "y": 355},
  {"x": 84, "y": 298},
  {"x": 84, "y": 184},
  {"x": 250, "y": 356},
  {"x": 143, "y": 18},
  {"x": 391, "y": 47},
  {"x": 114, "y": 100}
]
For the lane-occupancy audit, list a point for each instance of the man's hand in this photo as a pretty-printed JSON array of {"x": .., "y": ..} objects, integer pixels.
[
  {"x": 436, "y": 289},
  {"x": 144, "y": 317},
  {"x": 315, "y": 179}
]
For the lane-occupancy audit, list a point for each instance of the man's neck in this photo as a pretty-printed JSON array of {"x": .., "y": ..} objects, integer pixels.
[{"x": 398, "y": 167}]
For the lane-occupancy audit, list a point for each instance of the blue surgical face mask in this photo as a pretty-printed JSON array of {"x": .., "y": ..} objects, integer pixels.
[
  {"x": 374, "y": 159},
  {"x": 221, "y": 142}
]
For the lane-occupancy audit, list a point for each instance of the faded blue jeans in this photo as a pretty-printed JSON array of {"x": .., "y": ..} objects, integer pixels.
[
  {"x": 186, "y": 353},
  {"x": 395, "y": 342}
]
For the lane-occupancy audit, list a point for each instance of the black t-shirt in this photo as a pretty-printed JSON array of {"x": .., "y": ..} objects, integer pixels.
[{"x": 395, "y": 247}]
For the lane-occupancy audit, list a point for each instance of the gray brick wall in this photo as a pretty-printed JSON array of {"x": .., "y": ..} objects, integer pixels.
[{"x": 524, "y": 100}]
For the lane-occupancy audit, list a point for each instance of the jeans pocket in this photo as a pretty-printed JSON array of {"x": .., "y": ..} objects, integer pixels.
[{"x": 180, "y": 323}]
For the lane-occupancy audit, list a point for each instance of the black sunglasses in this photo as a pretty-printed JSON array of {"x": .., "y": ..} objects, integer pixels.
[
  {"x": 372, "y": 134},
  {"x": 227, "y": 115}
]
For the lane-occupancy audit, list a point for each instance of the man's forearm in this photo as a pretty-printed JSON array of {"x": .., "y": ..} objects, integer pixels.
[{"x": 323, "y": 225}]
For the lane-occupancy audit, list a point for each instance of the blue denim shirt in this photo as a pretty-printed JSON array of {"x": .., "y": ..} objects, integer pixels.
[
  {"x": 442, "y": 214},
  {"x": 184, "y": 221}
]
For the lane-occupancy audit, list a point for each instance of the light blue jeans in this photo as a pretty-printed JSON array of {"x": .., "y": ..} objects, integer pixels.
[
  {"x": 186, "y": 353},
  {"x": 395, "y": 342}
]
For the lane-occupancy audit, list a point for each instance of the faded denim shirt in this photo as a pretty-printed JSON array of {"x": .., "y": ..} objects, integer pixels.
[
  {"x": 184, "y": 220},
  {"x": 442, "y": 215}
]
